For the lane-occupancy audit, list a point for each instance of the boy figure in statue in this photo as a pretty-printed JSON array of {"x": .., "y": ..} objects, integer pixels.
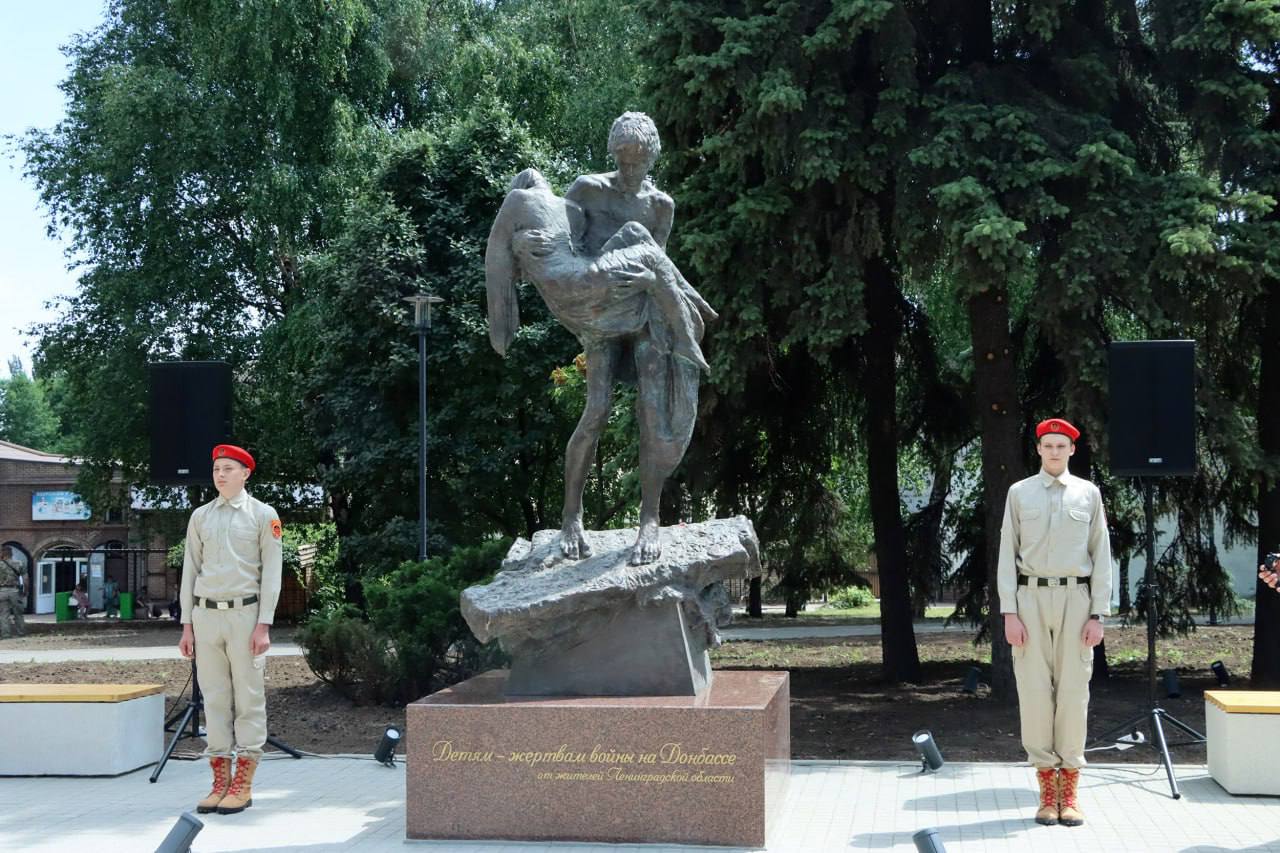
[
  {"x": 610, "y": 200},
  {"x": 597, "y": 258}
]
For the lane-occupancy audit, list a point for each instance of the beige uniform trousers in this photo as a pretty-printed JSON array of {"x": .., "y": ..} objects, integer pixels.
[
  {"x": 231, "y": 679},
  {"x": 1053, "y": 669},
  {"x": 11, "y": 608}
]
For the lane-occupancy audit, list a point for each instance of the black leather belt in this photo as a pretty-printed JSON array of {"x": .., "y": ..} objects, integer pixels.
[
  {"x": 226, "y": 605},
  {"x": 1028, "y": 580}
]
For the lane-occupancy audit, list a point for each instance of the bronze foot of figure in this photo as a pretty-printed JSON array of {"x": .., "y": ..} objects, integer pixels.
[
  {"x": 648, "y": 547},
  {"x": 573, "y": 540}
]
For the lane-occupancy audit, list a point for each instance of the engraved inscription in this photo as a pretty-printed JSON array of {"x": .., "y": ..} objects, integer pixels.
[{"x": 684, "y": 764}]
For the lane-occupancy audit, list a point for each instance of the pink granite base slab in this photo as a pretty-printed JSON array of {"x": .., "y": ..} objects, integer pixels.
[{"x": 710, "y": 769}]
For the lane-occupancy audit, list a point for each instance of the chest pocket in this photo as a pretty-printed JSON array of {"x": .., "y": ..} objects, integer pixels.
[
  {"x": 1033, "y": 523},
  {"x": 242, "y": 538},
  {"x": 1075, "y": 527}
]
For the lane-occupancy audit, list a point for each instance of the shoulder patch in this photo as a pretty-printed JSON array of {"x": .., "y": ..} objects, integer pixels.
[{"x": 276, "y": 529}]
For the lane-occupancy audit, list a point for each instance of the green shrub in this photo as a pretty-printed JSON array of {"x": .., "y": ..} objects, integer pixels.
[
  {"x": 416, "y": 606},
  {"x": 345, "y": 651},
  {"x": 850, "y": 598},
  {"x": 415, "y": 640}
]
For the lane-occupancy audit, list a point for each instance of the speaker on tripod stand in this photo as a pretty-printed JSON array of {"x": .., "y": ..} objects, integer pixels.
[
  {"x": 190, "y": 414},
  {"x": 1152, "y": 434}
]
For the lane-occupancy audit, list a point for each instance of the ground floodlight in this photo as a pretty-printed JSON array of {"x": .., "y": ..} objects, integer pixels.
[
  {"x": 386, "y": 752},
  {"x": 180, "y": 837},
  {"x": 971, "y": 680},
  {"x": 1220, "y": 672},
  {"x": 1172, "y": 688},
  {"x": 927, "y": 841},
  {"x": 930, "y": 757}
]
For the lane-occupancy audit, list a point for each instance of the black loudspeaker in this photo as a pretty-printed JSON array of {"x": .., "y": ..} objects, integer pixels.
[
  {"x": 190, "y": 414},
  {"x": 1153, "y": 408}
]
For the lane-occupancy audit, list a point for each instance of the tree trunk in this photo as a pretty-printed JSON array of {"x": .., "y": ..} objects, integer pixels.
[
  {"x": 755, "y": 603},
  {"x": 1125, "y": 603},
  {"x": 928, "y": 551},
  {"x": 996, "y": 394},
  {"x": 897, "y": 633},
  {"x": 1265, "y": 671}
]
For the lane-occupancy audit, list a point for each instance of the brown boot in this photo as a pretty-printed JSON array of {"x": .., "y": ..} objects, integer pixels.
[
  {"x": 221, "y": 765},
  {"x": 1047, "y": 814},
  {"x": 1068, "y": 801},
  {"x": 240, "y": 794}
]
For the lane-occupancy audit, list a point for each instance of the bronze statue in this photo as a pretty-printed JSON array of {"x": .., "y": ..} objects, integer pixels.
[{"x": 598, "y": 259}]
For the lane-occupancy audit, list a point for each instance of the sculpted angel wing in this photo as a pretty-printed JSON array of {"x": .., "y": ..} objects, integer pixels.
[{"x": 500, "y": 281}]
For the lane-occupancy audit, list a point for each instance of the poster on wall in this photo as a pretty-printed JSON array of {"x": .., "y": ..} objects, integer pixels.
[{"x": 58, "y": 506}]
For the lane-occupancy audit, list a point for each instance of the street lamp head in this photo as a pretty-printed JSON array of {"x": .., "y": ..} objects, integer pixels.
[{"x": 422, "y": 303}]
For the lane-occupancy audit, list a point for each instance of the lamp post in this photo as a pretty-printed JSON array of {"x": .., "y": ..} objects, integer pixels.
[{"x": 422, "y": 303}]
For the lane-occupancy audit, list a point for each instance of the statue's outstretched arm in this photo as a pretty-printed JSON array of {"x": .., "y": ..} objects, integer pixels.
[{"x": 500, "y": 277}]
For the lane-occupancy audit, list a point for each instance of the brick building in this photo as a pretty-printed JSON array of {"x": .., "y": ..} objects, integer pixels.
[{"x": 60, "y": 541}]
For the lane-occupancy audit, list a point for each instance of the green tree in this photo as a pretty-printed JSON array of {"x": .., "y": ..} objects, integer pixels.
[
  {"x": 1229, "y": 88},
  {"x": 26, "y": 417},
  {"x": 787, "y": 120},
  {"x": 211, "y": 149},
  {"x": 206, "y": 147},
  {"x": 495, "y": 442}
]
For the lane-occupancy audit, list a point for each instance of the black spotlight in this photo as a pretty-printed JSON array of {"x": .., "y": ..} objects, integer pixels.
[
  {"x": 971, "y": 680},
  {"x": 1220, "y": 672},
  {"x": 1171, "y": 687},
  {"x": 180, "y": 837},
  {"x": 927, "y": 841},
  {"x": 930, "y": 757},
  {"x": 386, "y": 752}
]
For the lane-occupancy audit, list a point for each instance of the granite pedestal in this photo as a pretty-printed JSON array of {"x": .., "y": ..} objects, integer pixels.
[{"x": 706, "y": 769}]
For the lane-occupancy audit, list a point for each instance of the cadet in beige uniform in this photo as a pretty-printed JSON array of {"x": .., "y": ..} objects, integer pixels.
[
  {"x": 230, "y": 585},
  {"x": 11, "y": 600},
  {"x": 1055, "y": 586}
]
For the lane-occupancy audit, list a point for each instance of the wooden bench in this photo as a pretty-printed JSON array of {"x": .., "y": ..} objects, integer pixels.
[
  {"x": 79, "y": 729},
  {"x": 1243, "y": 732}
]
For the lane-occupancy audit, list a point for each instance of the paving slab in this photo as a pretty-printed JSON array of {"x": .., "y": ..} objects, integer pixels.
[{"x": 317, "y": 805}]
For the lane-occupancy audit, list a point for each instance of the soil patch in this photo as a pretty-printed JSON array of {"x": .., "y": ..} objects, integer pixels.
[{"x": 840, "y": 708}]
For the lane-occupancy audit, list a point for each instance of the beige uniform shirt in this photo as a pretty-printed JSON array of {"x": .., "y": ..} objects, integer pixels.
[
  {"x": 232, "y": 551},
  {"x": 1055, "y": 527}
]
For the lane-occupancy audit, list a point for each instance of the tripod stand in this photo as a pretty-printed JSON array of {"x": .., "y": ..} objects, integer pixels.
[
  {"x": 1155, "y": 716},
  {"x": 190, "y": 716}
]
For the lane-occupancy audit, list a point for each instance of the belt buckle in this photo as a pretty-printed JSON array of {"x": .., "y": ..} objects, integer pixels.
[
  {"x": 224, "y": 605},
  {"x": 1056, "y": 581}
]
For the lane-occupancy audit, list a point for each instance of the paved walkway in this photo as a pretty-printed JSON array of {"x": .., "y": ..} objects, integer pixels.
[
  {"x": 738, "y": 631},
  {"x": 345, "y": 804}
]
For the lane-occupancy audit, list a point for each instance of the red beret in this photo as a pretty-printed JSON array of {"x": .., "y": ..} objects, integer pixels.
[
  {"x": 230, "y": 451},
  {"x": 1057, "y": 425}
]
